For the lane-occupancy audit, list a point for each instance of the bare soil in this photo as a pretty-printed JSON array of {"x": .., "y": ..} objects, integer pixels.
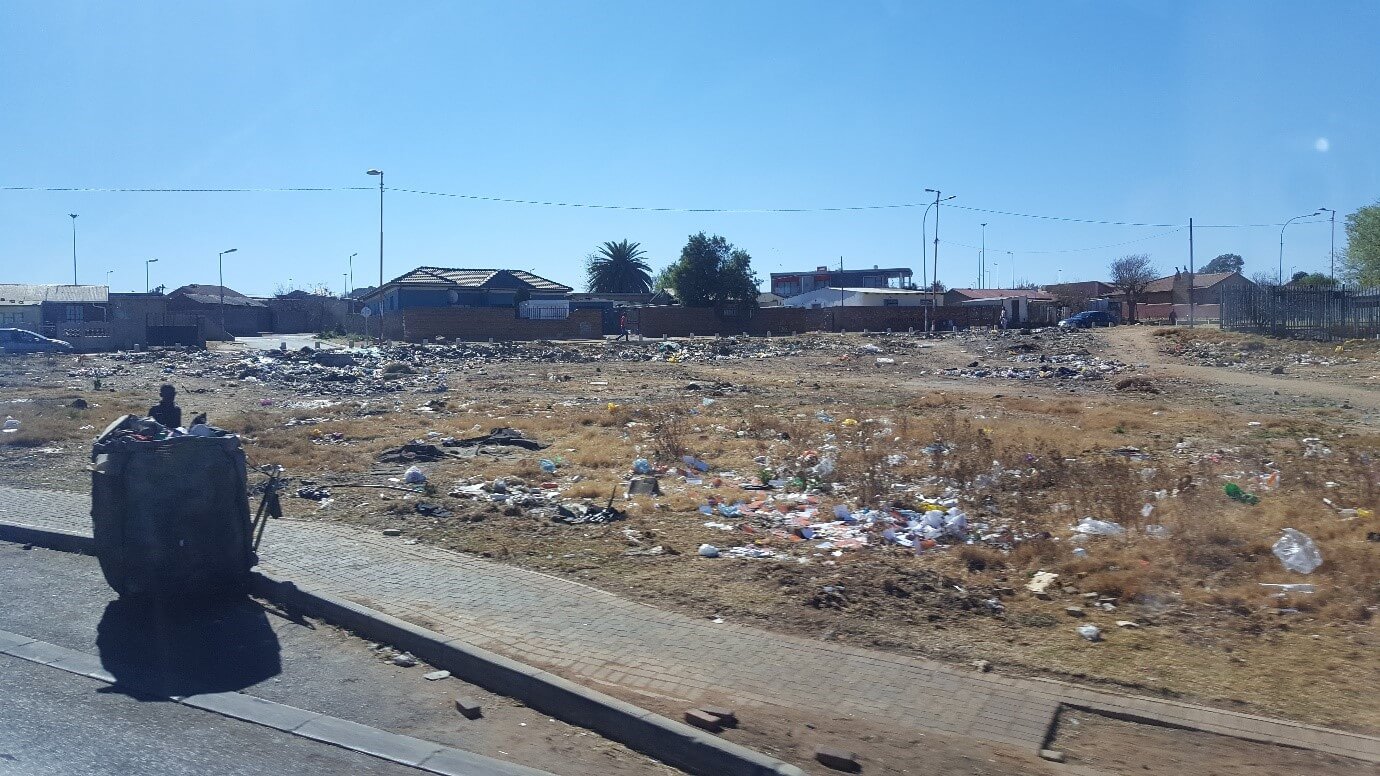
[{"x": 1160, "y": 423}]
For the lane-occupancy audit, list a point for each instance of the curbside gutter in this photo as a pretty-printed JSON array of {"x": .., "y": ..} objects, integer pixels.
[
  {"x": 671, "y": 742},
  {"x": 664, "y": 739}
]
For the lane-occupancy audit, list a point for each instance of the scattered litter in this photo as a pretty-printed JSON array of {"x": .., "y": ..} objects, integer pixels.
[
  {"x": 1090, "y": 632},
  {"x": 576, "y": 513},
  {"x": 708, "y": 551},
  {"x": 1092, "y": 527},
  {"x": 1297, "y": 552},
  {"x": 414, "y": 476},
  {"x": 1235, "y": 493}
]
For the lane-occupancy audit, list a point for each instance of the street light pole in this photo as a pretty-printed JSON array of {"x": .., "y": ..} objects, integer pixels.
[
  {"x": 935, "y": 278},
  {"x": 74, "y": 247},
  {"x": 220, "y": 270},
  {"x": 1281, "y": 241},
  {"x": 381, "y": 298},
  {"x": 147, "y": 262},
  {"x": 1332, "y": 216},
  {"x": 350, "y": 286},
  {"x": 982, "y": 260},
  {"x": 1011, "y": 258}
]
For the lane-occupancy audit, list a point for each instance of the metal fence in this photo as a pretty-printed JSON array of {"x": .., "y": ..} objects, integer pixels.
[{"x": 1308, "y": 313}]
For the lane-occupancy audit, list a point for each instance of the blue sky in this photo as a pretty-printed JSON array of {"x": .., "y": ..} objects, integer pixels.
[{"x": 1148, "y": 112}]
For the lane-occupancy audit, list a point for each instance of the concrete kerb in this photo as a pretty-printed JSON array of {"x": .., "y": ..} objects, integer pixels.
[
  {"x": 62, "y": 541},
  {"x": 652, "y": 734}
]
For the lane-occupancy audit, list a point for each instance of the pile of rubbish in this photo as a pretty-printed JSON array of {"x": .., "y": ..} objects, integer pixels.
[{"x": 132, "y": 428}]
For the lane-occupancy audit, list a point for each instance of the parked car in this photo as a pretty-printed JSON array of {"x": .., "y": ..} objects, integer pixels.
[
  {"x": 25, "y": 341},
  {"x": 1089, "y": 319}
]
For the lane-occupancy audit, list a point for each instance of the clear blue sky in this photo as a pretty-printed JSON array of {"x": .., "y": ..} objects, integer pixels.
[{"x": 1229, "y": 112}]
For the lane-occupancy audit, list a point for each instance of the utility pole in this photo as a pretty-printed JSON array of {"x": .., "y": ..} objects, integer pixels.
[
  {"x": 1191, "y": 274},
  {"x": 1332, "y": 216},
  {"x": 840, "y": 281},
  {"x": 382, "y": 304},
  {"x": 935, "y": 280},
  {"x": 74, "y": 247},
  {"x": 1011, "y": 257},
  {"x": 982, "y": 260}
]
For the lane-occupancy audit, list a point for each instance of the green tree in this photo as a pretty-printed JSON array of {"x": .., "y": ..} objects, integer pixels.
[
  {"x": 1227, "y": 262},
  {"x": 1312, "y": 280},
  {"x": 618, "y": 268},
  {"x": 711, "y": 271},
  {"x": 1361, "y": 259}
]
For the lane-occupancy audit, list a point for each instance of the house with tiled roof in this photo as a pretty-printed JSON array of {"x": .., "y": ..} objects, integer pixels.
[
  {"x": 1208, "y": 287},
  {"x": 445, "y": 287}
]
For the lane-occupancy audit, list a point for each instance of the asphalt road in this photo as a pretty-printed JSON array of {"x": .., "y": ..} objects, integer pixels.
[
  {"x": 247, "y": 647},
  {"x": 53, "y": 722}
]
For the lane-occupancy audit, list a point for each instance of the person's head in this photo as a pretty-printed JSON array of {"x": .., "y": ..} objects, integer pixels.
[{"x": 166, "y": 392}]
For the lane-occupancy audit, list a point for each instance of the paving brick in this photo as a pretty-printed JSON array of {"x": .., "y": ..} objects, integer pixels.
[{"x": 545, "y": 620}]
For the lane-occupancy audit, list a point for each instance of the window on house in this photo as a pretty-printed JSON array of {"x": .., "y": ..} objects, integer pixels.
[{"x": 73, "y": 314}]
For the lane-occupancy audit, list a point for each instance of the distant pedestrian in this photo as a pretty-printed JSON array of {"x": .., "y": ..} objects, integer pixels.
[
  {"x": 1173, "y": 317},
  {"x": 1002, "y": 321},
  {"x": 166, "y": 410},
  {"x": 623, "y": 330}
]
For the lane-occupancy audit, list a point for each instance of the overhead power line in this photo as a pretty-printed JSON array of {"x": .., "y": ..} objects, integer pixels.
[{"x": 641, "y": 208}]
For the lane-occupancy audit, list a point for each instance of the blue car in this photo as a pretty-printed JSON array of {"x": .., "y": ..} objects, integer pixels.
[
  {"x": 1088, "y": 319},
  {"x": 25, "y": 341}
]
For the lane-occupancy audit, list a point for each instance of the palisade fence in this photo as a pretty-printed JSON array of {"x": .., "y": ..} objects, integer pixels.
[{"x": 1308, "y": 313}]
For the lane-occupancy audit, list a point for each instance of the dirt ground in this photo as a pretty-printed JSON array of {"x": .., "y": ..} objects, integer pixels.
[{"x": 1025, "y": 433}]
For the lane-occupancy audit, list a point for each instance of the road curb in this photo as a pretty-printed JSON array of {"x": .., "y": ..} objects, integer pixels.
[
  {"x": 63, "y": 541},
  {"x": 671, "y": 742}
]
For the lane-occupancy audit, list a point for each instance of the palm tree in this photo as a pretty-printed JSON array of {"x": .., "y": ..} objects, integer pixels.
[{"x": 618, "y": 268}]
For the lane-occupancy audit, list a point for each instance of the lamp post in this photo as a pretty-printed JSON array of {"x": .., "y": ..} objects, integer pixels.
[
  {"x": 935, "y": 278},
  {"x": 1332, "y": 216},
  {"x": 147, "y": 262},
  {"x": 381, "y": 298},
  {"x": 350, "y": 283},
  {"x": 924, "y": 236},
  {"x": 1011, "y": 259},
  {"x": 1281, "y": 241},
  {"x": 982, "y": 260},
  {"x": 345, "y": 283},
  {"x": 107, "y": 277},
  {"x": 220, "y": 271},
  {"x": 74, "y": 247}
]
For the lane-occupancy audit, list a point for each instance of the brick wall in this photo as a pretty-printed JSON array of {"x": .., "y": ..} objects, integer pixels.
[
  {"x": 498, "y": 323},
  {"x": 684, "y": 321}
]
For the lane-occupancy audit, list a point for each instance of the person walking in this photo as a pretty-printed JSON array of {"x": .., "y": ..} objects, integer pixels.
[{"x": 623, "y": 331}]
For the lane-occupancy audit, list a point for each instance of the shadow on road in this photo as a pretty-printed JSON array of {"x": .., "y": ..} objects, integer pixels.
[{"x": 157, "y": 650}]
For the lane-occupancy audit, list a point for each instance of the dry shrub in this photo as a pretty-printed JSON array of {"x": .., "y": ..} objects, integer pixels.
[{"x": 670, "y": 431}]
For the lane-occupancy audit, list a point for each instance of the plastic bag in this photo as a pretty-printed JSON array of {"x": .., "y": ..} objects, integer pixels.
[
  {"x": 548, "y": 466},
  {"x": 414, "y": 476},
  {"x": 642, "y": 466},
  {"x": 1090, "y": 632},
  {"x": 708, "y": 551},
  {"x": 1297, "y": 552},
  {"x": 1094, "y": 527}
]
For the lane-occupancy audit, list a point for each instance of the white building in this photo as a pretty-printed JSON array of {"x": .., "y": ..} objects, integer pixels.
[{"x": 860, "y": 297}]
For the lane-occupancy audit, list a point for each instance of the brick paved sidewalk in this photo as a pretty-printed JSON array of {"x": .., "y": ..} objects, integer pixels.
[{"x": 600, "y": 638}]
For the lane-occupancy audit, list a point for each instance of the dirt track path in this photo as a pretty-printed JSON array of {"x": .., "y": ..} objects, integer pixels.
[{"x": 1136, "y": 344}]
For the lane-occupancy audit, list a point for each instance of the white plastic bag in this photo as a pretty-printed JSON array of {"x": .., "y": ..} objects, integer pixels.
[
  {"x": 414, "y": 476},
  {"x": 1297, "y": 552},
  {"x": 1094, "y": 527}
]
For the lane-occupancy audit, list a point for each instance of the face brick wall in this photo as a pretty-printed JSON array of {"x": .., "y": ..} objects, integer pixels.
[
  {"x": 684, "y": 321},
  {"x": 498, "y": 323}
]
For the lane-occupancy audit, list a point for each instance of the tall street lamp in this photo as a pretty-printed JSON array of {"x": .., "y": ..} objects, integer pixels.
[
  {"x": 345, "y": 284},
  {"x": 220, "y": 267},
  {"x": 147, "y": 262},
  {"x": 1011, "y": 259},
  {"x": 1332, "y": 216},
  {"x": 1281, "y": 241},
  {"x": 924, "y": 236},
  {"x": 74, "y": 247},
  {"x": 381, "y": 299},
  {"x": 937, "y": 200},
  {"x": 350, "y": 283},
  {"x": 982, "y": 260}
]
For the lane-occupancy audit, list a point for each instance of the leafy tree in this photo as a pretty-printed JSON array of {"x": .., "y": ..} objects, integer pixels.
[
  {"x": 711, "y": 271},
  {"x": 1312, "y": 280},
  {"x": 1131, "y": 274},
  {"x": 1361, "y": 260},
  {"x": 1263, "y": 278},
  {"x": 618, "y": 268},
  {"x": 1227, "y": 262}
]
